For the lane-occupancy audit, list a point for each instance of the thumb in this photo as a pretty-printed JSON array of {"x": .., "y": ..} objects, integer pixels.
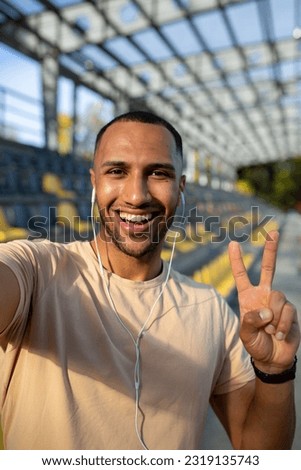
[{"x": 254, "y": 321}]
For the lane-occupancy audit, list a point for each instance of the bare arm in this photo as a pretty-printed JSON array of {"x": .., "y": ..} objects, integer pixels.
[
  {"x": 9, "y": 295},
  {"x": 258, "y": 416},
  {"x": 262, "y": 415}
]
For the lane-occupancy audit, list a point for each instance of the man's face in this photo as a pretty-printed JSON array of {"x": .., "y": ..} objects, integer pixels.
[{"x": 137, "y": 178}]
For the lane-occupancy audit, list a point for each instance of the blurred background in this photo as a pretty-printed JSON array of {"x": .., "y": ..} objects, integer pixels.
[{"x": 225, "y": 73}]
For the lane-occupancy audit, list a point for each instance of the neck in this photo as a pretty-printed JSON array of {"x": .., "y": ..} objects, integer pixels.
[{"x": 129, "y": 267}]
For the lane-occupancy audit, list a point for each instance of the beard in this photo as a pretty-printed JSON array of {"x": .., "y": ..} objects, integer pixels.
[{"x": 144, "y": 243}]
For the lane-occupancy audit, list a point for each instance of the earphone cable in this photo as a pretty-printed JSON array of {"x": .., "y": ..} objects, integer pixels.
[{"x": 137, "y": 368}]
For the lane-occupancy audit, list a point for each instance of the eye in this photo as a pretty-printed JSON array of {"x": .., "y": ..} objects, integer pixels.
[
  {"x": 161, "y": 174},
  {"x": 116, "y": 171}
]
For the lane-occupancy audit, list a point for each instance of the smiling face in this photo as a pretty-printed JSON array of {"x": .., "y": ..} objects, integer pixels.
[{"x": 137, "y": 178}]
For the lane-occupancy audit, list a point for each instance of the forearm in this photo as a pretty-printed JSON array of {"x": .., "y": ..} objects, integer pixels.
[
  {"x": 270, "y": 422},
  {"x": 9, "y": 295}
]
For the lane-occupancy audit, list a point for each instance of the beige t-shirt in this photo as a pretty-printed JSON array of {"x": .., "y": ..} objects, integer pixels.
[{"x": 67, "y": 364}]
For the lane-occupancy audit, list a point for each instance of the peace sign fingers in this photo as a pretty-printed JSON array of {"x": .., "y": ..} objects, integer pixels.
[
  {"x": 269, "y": 329},
  {"x": 269, "y": 256},
  {"x": 238, "y": 268},
  {"x": 267, "y": 266}
]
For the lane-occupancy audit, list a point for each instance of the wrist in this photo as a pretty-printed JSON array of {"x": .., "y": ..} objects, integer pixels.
[
  {"x": 274, "y": 375},
  {"x": 271, "y": 368}
]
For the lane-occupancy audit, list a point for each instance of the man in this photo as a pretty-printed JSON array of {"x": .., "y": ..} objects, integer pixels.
[{"x": 103, "y": 346}]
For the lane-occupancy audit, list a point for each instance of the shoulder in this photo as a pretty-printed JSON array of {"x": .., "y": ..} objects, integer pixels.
[
  {"x": 36, "y": 251},
  {"x": 21, "y": 251},
  {"x": 25, "y": 246}
]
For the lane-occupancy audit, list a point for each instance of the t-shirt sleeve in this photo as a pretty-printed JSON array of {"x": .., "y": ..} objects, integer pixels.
[
  {"x": 19, "y": 257},
  {"x": 236, "y": 369}
]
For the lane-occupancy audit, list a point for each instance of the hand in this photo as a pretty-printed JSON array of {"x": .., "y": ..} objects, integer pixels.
[{"x": 269, "y": 323}]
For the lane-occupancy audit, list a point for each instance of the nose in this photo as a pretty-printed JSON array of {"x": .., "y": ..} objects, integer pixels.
[{"x": 136, "y": 191}]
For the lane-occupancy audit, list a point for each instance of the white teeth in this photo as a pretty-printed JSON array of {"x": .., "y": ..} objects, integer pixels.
[{"x": 134, "y": 218}]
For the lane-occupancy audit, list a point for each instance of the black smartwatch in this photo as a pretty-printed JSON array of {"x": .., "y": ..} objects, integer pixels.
[{"x": 281, "y": 378}]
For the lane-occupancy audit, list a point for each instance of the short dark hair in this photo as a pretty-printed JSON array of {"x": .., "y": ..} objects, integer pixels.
[{"x": 146, "y": 118}]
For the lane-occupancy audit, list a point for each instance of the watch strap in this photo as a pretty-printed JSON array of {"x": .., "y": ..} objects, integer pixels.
[{"x": 281, "y": 378}]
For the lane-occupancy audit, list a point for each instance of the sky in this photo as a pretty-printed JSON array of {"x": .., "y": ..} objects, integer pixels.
[{"x": 23, "y": 75}]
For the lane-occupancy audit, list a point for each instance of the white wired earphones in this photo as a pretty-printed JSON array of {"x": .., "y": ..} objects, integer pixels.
[
  {"x": 136, "y": 342},
  {"x": 183, "y": 205}
]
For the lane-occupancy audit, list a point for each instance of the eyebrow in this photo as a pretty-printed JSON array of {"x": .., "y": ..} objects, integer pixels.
[
  {"x": 114, "y": 163},
  {"x": 151, "y": 166},
  {"x": 163, "y": 166}
]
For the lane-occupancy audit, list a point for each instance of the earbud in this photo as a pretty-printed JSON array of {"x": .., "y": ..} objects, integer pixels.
[
  {"x": 93, "y": 196},
  {"x": 183, "y": 203},
  {"x": 183, "y": 198}
]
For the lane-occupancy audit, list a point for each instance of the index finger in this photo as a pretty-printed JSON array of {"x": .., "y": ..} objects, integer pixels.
[
  {"x": 268, "y": 263},
  {"x": 238, "y": 268}
]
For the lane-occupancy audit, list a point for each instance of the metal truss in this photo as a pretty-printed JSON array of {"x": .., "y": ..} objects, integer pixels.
[{"x": 237, "y": 101}]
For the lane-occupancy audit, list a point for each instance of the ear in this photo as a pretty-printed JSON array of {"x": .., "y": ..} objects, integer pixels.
[
  {"x": 181, "y": 188},
  {"x": 183, "y": 182}
]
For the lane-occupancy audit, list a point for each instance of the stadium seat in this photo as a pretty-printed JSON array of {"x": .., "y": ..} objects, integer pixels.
[
  {"x": 8, "y": 232},
  {"x": 2, "y": 182},
  {"x": 42, "y": 220},
  {"x": 68, "y": 216},
  {"x": 67, "y": 181},
  {"x": 22, "y": 159},
  {"x": 17, "y": 215},
  {"x": 52, "y": 184},
  {"x": 5, "y": 159},
  {"x": 9, "y": 181},
  {"x": 81, "y": 184},
  {"x": 29, "y": 181},
  {"x": 84, "y": 209},
  {"x": 41, "y": 164}
]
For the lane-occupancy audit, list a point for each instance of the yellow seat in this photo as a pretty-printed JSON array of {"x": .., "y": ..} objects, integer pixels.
[
  {"x": 218, "y": 272},
  {"x": 67, "y": 215},
  {"x": 7, "y": 232},
  {"x": 166, "y": 254},
  {"x": 52, "y": 184},
  {"x": 184, "y": 244}
]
